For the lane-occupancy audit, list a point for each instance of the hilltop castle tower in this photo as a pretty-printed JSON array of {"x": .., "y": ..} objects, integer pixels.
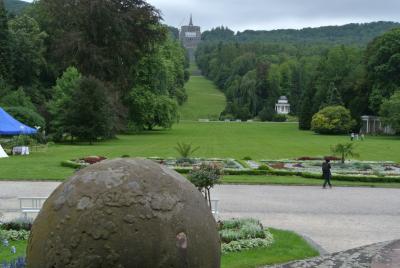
[{"x": 190, "y": 37}]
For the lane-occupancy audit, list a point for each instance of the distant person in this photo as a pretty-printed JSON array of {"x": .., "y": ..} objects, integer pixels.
[
  {"x": 362, "y": 136},
  {"x": 326, "y": 173},
  {"x": 352, "y": 136},
  {"x": 357, "y": 137}
]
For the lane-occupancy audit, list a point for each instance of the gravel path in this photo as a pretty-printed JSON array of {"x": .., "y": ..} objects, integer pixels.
[{"x": 337, "y": 219}]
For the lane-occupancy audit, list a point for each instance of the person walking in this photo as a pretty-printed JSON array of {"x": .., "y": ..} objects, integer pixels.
[{"x": 326, "y": 173}]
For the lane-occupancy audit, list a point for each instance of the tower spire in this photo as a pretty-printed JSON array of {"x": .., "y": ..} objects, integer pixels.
[{"x": 191, "y": 20}]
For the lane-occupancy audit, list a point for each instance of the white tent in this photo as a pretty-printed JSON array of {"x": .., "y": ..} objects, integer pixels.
[{"x": 2, "y": 153}]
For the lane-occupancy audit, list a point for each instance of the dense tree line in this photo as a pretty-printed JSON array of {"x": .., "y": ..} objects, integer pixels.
[
  {"x": 254, "y": 74},
  {"x": 349, "y": 34},
  {"x": 59, "y": 57}
]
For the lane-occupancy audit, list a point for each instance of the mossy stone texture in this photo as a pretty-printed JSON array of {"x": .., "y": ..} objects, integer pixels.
[{"x": 125, "y": 213}]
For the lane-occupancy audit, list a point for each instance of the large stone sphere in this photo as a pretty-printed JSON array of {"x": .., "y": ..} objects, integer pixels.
[{"x": 125, "y": 214}]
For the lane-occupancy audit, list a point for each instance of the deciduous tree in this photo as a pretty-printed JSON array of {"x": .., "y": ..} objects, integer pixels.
[{"x": 390, "y": 111}]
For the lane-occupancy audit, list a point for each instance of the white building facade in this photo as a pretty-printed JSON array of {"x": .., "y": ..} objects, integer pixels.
[
  {"x": 283, "y": 106},
  {"x": 373, "y": 125}
]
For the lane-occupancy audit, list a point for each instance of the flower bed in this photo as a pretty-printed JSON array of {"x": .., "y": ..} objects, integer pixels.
[
  {"x": 13, "y": 238},
  {"x": 182, "y": 164},
  {"x": 351, "y": 168},
  {"x": 82, "y": 162},
  {"x": 243, "y": 234}
]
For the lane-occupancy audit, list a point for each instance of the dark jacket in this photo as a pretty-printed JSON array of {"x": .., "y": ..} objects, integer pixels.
[{"x": 326, "y": 168}]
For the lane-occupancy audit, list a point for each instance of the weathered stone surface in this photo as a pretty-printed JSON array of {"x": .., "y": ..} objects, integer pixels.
[
  {"x": 124, "y": 214},
  {"x": 380, "y": 255}
]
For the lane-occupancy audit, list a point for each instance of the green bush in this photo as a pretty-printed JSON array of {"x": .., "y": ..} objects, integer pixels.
[
  {"x": 332, "y": 120},
  {"x": 17, "y": 225},
  {"x": 267, "y": 113},
  {"x": 246, "y": 244},
  {"x": 263, "y": 167},
  {"x": 14, "y": 235},
  {"x": 279, "y": 118},
  {"x": 247, "y": 158},
  {"x": 182, "y": 170},
  {"x": 242, "y": 234},
  {"x": 241, "y": 229}
]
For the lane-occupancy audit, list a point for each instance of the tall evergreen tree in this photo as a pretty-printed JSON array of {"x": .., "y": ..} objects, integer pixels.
[
  {"x": 333, "y": 97},
  {"x": 306, "y": 113},
  {"x": 5, "y": 67}
]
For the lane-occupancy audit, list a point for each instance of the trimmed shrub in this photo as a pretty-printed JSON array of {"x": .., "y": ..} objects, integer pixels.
[
  {"x": 332, "y": 120},
  {"x": 72, "y": 164}
]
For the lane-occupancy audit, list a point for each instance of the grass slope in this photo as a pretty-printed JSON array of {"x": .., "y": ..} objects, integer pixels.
[
  {"x": 235, "y": 140},
  {"x": 288, "y": 246},
  {"x": 205, "y": 100}
]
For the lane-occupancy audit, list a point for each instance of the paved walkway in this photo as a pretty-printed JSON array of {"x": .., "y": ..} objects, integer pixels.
[{"x": 337, "y": 219}]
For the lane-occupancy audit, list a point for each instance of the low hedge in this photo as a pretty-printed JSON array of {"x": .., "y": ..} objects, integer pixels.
[
  {"x": 245, "y": 172},
  {"x": 253, "y": 172},
  {"x": 338, "y": 177},
  {"x": 72, "y": 164}
]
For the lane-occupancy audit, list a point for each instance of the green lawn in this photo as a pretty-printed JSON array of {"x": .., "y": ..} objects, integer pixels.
[
  {"x": 205, "y": 100},
  {"x": 299, "y": 181},
  {"x": 6, "y": 255},
  {"x": 288, "y": 246},
  {"x": 220, "y": 139},
  {"x": 235, "y": 140}
]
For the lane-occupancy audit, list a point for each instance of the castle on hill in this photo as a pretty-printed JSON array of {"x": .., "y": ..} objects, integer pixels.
[{"x": 190, "y": 37}]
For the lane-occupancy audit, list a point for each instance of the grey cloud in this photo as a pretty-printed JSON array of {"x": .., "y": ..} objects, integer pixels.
[{"x": 275, "y": 14}]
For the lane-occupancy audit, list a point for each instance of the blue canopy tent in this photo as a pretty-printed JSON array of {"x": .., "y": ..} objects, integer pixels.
[{"x": 10, "y": 126}]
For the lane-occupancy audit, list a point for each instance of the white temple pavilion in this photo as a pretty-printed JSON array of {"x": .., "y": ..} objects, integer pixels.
[{"x": 283, "y": 106}]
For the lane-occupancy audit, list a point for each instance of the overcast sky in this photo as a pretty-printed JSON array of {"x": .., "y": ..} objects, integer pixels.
[{"x": 275, "y": 14}]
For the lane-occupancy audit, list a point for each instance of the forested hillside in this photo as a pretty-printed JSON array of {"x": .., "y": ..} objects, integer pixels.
[
  {"x": 15, "y": 6},
  {"x": 254, "y": 74},
  {"x": 349, "y": 34},
  {"x": 87, "y": 75}
]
